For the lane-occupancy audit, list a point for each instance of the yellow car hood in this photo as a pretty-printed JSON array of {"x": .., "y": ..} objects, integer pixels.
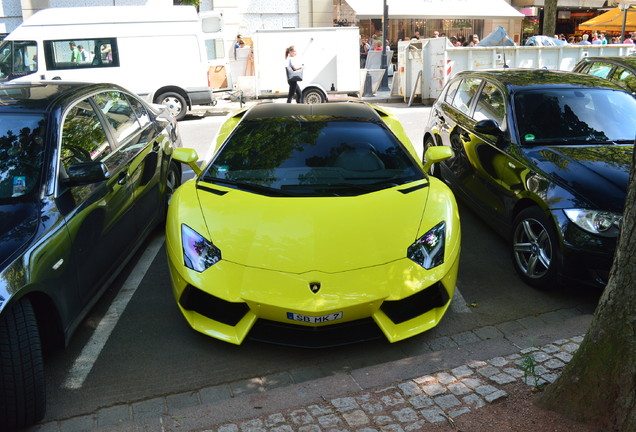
[{"x": 328, "y": 234}]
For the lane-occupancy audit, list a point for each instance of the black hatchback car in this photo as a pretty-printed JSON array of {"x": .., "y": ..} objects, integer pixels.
[
  {"x": 544, "y": 157},
  {"x": 85, "y": 175},
  {"x": 619, "y": 70}
]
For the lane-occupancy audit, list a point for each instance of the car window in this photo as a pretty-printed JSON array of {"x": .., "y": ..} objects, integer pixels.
[
  {"x": 81, "y": 53},
  {"x": 624, "y": 78},
  {"x": 119, "y": 113},
  {"x": 575, "y": 116},
  {"x": 140, "y": 110},
  {"x": 452, "y": 89},
  {"x": 83, "y": 137},
  {"x": 465, "y": 93},
  {"x": 600, "y": 70},
  {"x": 490, "y": 105},
  {"x": 18, "y": 58}
]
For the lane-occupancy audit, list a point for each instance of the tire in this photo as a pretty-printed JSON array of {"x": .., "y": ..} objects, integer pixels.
[
  {"x": 176, "y": 104},
  {"x": 534, "y": 246},
  {"x": 22, "y": 385},
  {"x": 314, "y": 96},
  {"x": 173, "y": 181},
  {"x": 434, "y": 170}
]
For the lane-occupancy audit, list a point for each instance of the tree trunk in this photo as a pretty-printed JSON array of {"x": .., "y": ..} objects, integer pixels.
[
  {"x": 598, "y": 386},
  {"x": 549, "y": 17}
]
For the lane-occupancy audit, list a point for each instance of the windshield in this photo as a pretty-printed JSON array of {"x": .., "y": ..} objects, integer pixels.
[
  {"x": 17, "y": 58},
  {"x": 289, "y": 157},
  {"x": 21, "y": 155},
  {"x": 575, "y": 116}
]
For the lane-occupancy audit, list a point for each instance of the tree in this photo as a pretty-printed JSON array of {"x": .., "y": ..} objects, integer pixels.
[
  {"x": 598, "y": 386},
  {"x": 549, "y": 17}
]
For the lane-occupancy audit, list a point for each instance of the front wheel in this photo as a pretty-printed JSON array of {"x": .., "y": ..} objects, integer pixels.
[
  {"x": 535, "y": 249},
  {"x": 176, "y": 104},
  {"x": 314, "y": 96},
  {"x": 22, "y": 385}
]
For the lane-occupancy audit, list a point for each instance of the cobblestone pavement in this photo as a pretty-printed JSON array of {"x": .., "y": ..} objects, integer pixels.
[{"x": 409, "y": 404}]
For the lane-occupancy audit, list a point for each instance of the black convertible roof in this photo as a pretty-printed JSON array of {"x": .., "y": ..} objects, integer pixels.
[{"x": 352, "y": 110}]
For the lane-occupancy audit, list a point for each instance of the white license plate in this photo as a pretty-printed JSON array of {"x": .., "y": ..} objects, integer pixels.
[{"x": 314, "y": 319}]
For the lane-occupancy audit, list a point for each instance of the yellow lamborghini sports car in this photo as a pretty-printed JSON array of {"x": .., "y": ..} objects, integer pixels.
[{"x": 313, "y": 225}]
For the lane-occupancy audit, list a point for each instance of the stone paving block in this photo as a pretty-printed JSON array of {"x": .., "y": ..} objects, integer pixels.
[
  {"x": 228, "y": 428},
  {"x": 458, "y": 412},
  {"x": 561, "y": 341},
  {"x": 421, "y": 401},
  {"x": 76, "y": 424},
  {"x": 274, "y": 419},
  {"x": 459, "y": 389},
  {"x": 372, "y": 407},
  {"x": 391, "y": 400},
  {"x": 488, "y": 371},
  {"x": 540, "y": 356},
  {"x": 433, "y": 415},
  {"x": 486, "y": 389},
  {"x": 410, "y": 388},
  {"x": 473, "y": 401},
  {"x": 514, "y": 372},
  {"x": 445, "y": 378},
  {"x": 564, "y": 356},
  {"x": 415, "y": 427},
  {"x": 550, "y": 377},
  {"x": 488, "y": 332},
  {"x": 551, "y": 318},
  {"x": 554, "y": 364},
  {"x": 330, "y": 421},
  {"x": 498, "y": 362},
  {"x": 277, "y": 380},
  {"x": 477, "y": 364},
  {"x": 503, "y": 378},
  {"x": 318, "y": 410},
  {"x": 309, "y": 428},
  {"x": 254, "y": 425},
  {"x": 282, "y": 428},
  {"x": 405, "y": 415},
  {"x": 473, "y": 383},
  {"x": 434, "y": 389},
  {"x": 510, "y": 327},
  {"x": 345, "y": 404},
  {"x": 499, "y": 394},
  {"x": 248, "y": 386},
  {"x": 529, "y": 350},
  {"x": 570, "y": 347},
  {"x": 356, "y": 418},
  {"x": 301, "y": 417},
  {"x": 382, "y": 420},
  {"x": 465, "y": 338},
  {"x": 392, "y": 428},
  {"x": 367, "y": 429},
  {"x": 550, "y": 349},
  {"x": 447, "y": 402},
  {"x": 462, "y": 371},
  {"x": 426, "y": 379},
  {"x": 300, "y": 375},
  {"x": 577, "y": 339}
]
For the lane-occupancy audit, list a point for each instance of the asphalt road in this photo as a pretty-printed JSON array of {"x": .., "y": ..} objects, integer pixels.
[{"x": 149, "y": 350}]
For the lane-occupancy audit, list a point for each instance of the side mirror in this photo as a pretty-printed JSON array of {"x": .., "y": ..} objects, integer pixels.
[
  {"x": 86, "y": 173},
  {"x": 436, "y": 154},
  {"x": 488, "y": 127},
  {"x": 187, "y": 156}
]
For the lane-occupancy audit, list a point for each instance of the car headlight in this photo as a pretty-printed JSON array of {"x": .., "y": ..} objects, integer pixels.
[
  {"x": 428, "y": 250},
  {"x": 199, "y": 254},
  {"x": 603, "y": 223}
]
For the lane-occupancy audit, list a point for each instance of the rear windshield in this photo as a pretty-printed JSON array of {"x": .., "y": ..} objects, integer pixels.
[
  {"x": 312, "y": 158},
  {"x": 21, "y": 155}
]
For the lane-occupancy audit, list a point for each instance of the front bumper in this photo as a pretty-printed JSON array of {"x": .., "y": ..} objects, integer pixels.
[{"x": 228, "y": 300}]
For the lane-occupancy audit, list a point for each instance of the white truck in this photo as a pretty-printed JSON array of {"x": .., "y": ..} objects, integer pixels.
[
  {"x": 161, "y": 53},
  {"x": 330, "y": 55},
  {"x": 425, "y": 65}
]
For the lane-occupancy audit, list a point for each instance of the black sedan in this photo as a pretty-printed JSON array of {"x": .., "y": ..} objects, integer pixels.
[
  {"x": 619, "y": 70},
  {"x": 544, "y": 157},
  {"x": 85, "y": 176}
]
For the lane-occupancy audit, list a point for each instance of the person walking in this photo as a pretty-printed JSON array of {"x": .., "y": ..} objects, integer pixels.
[{"x": 292, "y": 67}]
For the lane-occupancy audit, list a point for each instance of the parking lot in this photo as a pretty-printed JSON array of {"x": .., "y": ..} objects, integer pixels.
[{"x": 147, "y": 350}]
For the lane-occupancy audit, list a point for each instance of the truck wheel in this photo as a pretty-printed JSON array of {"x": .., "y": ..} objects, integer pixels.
[
  {"x": 22, "y": 386},
  {"x": 314, "y": 96},
  {"x": 176, "y": 104}
]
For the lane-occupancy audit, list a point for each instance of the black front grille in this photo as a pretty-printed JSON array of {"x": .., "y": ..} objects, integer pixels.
[
  {"x": 315, "y": 337},
  {"x": 410, "y": 307},
  {"x": 212, "y": 307}
]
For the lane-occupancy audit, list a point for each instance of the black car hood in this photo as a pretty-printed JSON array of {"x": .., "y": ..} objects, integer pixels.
[
  {"x": 18, "y": 223},
  {"x": 595, "y": 175}
]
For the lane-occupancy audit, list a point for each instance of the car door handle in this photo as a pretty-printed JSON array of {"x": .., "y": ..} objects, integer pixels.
[{"x": 123, "y": 177}]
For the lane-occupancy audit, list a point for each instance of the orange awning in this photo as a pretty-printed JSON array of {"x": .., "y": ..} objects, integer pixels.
[{"x": 612, "y": 20}]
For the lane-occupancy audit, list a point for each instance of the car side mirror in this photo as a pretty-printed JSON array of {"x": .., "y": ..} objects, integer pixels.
[
  {"x": 488, "y": 127},
  {"x": 187, "y": 156},
  {"x": 86, "y": 173},
  {"x": 436, "y": 154}
]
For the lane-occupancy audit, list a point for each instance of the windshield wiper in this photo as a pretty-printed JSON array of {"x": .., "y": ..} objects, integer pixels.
[{"x": 250, "y": 187}]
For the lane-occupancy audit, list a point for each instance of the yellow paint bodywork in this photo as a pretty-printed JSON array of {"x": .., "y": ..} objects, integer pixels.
[{"x": 273, "y": 248}]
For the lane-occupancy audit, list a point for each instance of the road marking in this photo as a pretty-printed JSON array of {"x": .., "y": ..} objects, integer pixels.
[
  {"x": 458, "y": 304},
  {"x": 87, "y": 358}
]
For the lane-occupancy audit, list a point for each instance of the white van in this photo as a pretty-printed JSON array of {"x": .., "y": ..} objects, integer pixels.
[{"x": 161, "y": 53}]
